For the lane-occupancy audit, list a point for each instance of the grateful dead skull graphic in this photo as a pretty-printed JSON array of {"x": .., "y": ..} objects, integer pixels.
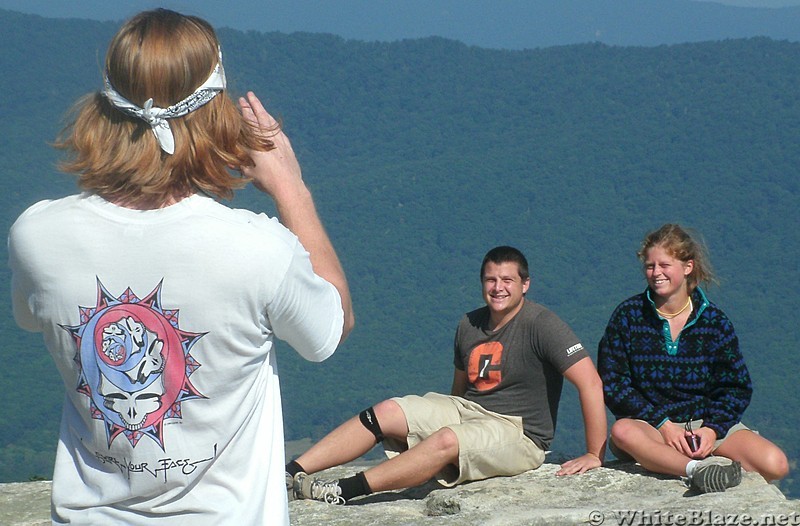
[{"x": 135, "y": 363}]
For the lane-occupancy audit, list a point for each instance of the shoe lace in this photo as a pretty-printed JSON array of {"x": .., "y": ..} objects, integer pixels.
[{"x": 327, "y": 491}]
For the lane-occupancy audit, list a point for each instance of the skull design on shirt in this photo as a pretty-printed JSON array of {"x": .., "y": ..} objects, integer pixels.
[{"x": 135, "y": 363}]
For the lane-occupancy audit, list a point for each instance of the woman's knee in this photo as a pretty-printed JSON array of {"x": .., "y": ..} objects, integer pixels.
[
  {"x": 774, "y": 464},
  {"x": 623, "y": 432},
  {"x": 756, "y": 453}
]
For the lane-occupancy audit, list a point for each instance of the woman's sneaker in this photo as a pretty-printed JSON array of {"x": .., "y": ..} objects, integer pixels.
[
  {"x": 306, "y": 487},
  {"x": 714, "y": 474}
]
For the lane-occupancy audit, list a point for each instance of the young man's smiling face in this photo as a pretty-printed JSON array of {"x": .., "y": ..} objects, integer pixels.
[{"x": 503, "y": 291}]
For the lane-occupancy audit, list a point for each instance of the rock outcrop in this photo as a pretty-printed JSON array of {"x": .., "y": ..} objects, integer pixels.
[
  {"x": 621, "y": 493},
  {"x": 25, "y": 504}
]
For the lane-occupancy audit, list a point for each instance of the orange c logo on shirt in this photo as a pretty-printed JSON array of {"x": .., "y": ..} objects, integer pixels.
[{"x": 484, "y": 369}]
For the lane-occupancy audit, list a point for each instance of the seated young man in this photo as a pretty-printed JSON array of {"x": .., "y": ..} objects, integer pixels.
[{"x": 510, "y": 357}]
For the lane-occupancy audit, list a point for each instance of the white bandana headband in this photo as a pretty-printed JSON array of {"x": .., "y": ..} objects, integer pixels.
[{"x": 157, "y": 117}]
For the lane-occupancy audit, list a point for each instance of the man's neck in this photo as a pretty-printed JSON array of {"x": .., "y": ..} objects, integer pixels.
[{"x": 497, "y": 321}]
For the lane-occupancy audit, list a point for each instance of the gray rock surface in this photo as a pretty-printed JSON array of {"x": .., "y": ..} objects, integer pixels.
[
  {"x": 25, "y": 504},
  {"x": 621, "y": 493}
]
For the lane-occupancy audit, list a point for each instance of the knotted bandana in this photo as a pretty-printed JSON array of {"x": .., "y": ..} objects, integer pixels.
[{"x": 157, "y": 117}]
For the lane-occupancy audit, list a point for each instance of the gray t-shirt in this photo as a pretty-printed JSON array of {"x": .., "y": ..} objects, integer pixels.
[{"x": 518, "y": 370}]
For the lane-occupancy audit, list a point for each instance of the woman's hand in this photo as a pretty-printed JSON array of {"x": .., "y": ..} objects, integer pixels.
[
  {"x": 708, "y": 437},
  {"x": 674, "y": 435}
]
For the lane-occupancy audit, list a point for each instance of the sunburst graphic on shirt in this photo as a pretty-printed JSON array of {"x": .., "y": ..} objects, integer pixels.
[{"x": 134, "y": 362}]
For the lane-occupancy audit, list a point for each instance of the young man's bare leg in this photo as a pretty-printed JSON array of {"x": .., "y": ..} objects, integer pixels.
[
  {"x": 352, "y": 439},
  {"x": 410, "y": 468},
  {"x": 416, "y": 465},
  {"x": 359, "y": 434}
]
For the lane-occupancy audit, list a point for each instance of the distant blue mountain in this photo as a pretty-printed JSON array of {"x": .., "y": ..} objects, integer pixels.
[
  {"x": 519, "y": 24},
  {"x": 509, "y": 24}
]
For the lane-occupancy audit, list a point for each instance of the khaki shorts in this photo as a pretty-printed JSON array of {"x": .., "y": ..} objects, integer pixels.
[
  {"x": 489, "y": 444},
  {"x": 695, "y": 424}
]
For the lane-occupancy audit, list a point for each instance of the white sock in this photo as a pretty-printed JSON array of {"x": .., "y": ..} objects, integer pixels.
[{"x": 690, "y": 467}]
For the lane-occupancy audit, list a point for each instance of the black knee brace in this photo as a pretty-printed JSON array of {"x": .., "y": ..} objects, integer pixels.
[{"x": 370, "y": 421}]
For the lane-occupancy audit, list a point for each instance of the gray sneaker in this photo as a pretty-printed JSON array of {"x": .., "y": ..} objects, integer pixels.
[
  {"x": 715, "y": 474},
  {"x": 306, "y": 487}
]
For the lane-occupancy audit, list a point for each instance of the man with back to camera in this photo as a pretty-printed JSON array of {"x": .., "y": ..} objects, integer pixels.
[
  {"x": 159, "y": 304},
  {"x": 510, "y": 359}
]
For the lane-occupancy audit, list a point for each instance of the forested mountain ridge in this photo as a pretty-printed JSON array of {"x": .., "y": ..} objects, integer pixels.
[
  {"x": 510, "y": 24},
  {"x": 422, "y": 154}
]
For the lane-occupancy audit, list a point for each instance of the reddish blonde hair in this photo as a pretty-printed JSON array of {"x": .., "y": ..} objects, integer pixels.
[
  {"x": 679, "y": 243},
  {"x": 165, "y": 56}
]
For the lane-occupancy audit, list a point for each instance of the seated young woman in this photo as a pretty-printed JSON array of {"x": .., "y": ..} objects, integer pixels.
[{"x": 674, "y": 377}]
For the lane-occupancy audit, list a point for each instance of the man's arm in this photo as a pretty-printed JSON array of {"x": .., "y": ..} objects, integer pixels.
[
  {"x": 277, "y": 173},
  {"x": 584, "y": 376},
  {"x": 459, "y": 383}
]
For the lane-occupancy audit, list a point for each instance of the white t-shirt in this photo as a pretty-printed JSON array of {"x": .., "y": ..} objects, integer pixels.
[{"x": 161, "y": 323}]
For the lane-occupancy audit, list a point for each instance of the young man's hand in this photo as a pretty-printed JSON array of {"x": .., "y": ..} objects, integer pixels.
[{"x": 579, "y": 465}]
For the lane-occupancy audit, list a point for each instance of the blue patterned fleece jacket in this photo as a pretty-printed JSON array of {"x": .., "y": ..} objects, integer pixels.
[{"x": 647, "y": 376}]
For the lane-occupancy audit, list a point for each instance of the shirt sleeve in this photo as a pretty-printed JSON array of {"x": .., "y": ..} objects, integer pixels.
[
  {"x": 730, "y": 395},
  {"x": 621, "y": 394},
  {"x": 22, "y": 290},
  {"x": 557, "y": 342},
  {"x": 306, "y": 311},
  {"x": 458, "y": 358}
]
